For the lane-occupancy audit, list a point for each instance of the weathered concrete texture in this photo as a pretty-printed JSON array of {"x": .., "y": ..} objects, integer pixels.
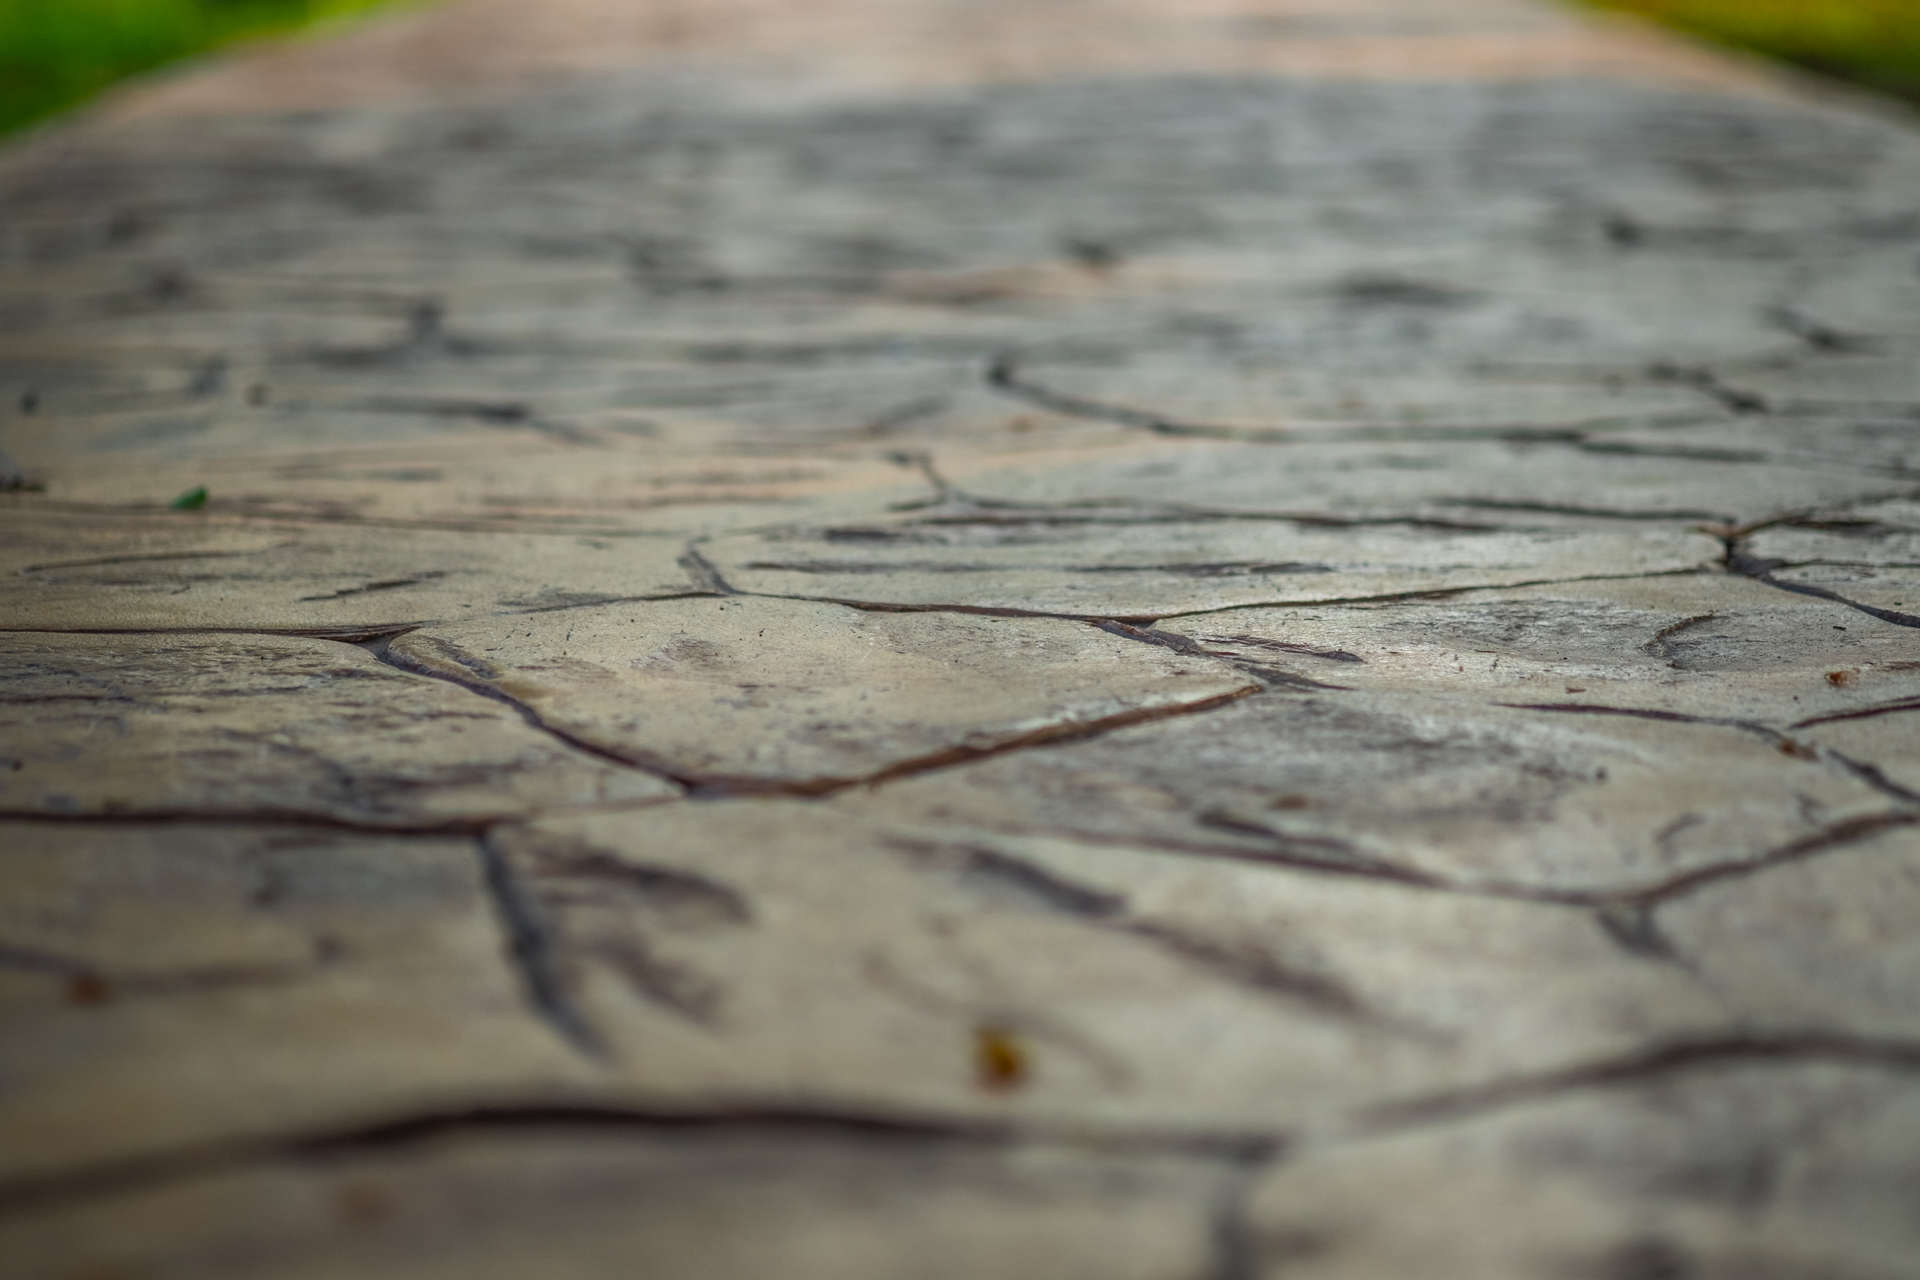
[
  {"x": 801, "y": 696},
  {"x": 196, "y": 724},
  {"x": 1102, "y": 638}
]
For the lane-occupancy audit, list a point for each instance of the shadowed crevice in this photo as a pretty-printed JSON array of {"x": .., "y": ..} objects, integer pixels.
[
  {"x": 904, "y": 1128},
  {"x": 1004, "y": 878},
  {"x": 1640, "y": 1066},
  {"x": 530, "y": 949},
  {"x": 1762, "y": 571}
]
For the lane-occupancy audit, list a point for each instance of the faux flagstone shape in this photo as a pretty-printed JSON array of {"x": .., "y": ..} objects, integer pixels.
[
  {"x": 1134, "y": 566},
  {"x": 1710, "y": 646},
  {"x": 1533, "y": 801},
  {"x": 271, "y": 726},
  {"x": 173, "y": 988},
  {"x": 824, "y": 952},
  {"x": 194, "y": 570},
  {"x": 483, "y": 483},
  {"x": 1883, "y": 533},
  {"x": 810, "y": 696},
  {"x": 1726, "y": 1162},
  {"x": 1866, "y": 555},
  {"x": 1885, "y": 739},
  {"x": 1326, "y": 394},
  {"x": 1508, "y": 482},
  {"x": 1837, "y": 944}
]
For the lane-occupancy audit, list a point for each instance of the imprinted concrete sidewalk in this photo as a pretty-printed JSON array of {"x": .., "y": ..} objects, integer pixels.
[{"x": 1109, "y": 638}]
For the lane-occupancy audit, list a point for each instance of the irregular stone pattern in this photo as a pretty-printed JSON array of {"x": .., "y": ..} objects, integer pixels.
[{"x": 1239, "y": 639}]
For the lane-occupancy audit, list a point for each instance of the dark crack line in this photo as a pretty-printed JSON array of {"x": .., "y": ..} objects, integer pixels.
[
  {"x": 971, "y": 511},
  {"x": 1242, "y": 1148},
  {"x": 1682, "y": 453},
  {"x": 1587, "y": 436},
  {"x": 1191, "y": 569},
  {"x": 1815, "y": 408},
  {"x": 943, "y": 490},
  {"x": 368, "y": 588},
  {"x": 1641, "y": 1066},
  {"x": 708, "y": 786},
  {"x": 1708, "y": 383},
  {"x": 365, "y": 635},
  {"x": 1895, "y": 616},
  {"x": 1272, "y": 677},
  {"x": 973, "y": 610},
  {"x": 1423, "y": 593},
  {"x": 1872, "y": 775},
  {"x": 649, "y": 883},
  {"x": 530, "y": 949},
  {"x": 1149, "y": 619},
  {"x": 1622, "y": 908},
  {"x": 507, "y": 414},
  {"x": 702, "y": 785},
  {"x": 1324, "y": 855},
  {"x": 306, "y": 818},
  {"x": 1234, "y": 1246},
  {"x": 1819, "y": 336},
  {"x": 1661, "y": 645},
  {"x": 1244, "y": 966},
  {"x": 1282, "y": 646},
  {"x": 237, "y": 511},
  {"x": 602, "y": 601},
  {"x": 1632, "y": 927},
  {"x": 1651, "y": 713},
  {"x": 1003, "y": 375},
  {"x": 1254, "y": 971},
  {"x": 902, "y": 415},
  {"x": 1015, "y": 877},
  {"x": 1312, "y": 855},
  {"x": 1863, "y": 771},
  {"x": 1830, "y": 839},
  {"x": 743, "y": 1115},
  {"x": 1625, "y": 913},
  {"x": 44, "y": 699},
  {"x": 381, "y": 648},
  {"x": 1738, "y": 562},
  {"x": 706, "y": 576},
  {"x": 1586, "y": 513},
  {"x": 654, "y": 978},
  {"x": 1060, "y": 734},
  {"x": 104, "y": 562},
  {"x": 1862, "y": 713}
]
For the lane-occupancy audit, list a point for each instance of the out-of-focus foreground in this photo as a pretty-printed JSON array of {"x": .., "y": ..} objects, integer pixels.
[{"x": 55, "y": 54}]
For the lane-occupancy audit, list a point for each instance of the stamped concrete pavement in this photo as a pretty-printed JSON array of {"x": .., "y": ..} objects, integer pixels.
[{"x": 1232, "y": 639}]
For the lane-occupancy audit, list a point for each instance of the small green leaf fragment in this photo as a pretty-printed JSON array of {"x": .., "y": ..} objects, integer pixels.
[{"x": 192, "y": 500}]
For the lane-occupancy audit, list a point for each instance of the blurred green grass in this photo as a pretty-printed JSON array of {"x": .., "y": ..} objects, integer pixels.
[
  {"x": 1875, "y": 43},
  {"x": 56, "y": 53}
]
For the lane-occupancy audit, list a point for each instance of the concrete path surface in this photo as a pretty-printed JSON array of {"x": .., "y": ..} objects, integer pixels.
[{"x": 1204, "y": 639}]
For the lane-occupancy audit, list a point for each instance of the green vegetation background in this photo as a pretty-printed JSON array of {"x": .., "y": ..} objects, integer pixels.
[
  {"x": 1873, "y": 42},
  {"x": 55, "y": 53}
]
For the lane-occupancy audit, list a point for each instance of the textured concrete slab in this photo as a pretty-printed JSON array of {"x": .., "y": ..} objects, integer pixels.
[
  {"x": 175, "y": 989},
  {"x": 183, "y": 725},
  {"x": 1102, "y": 638},
  {"x": 803, "y": 697}
]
